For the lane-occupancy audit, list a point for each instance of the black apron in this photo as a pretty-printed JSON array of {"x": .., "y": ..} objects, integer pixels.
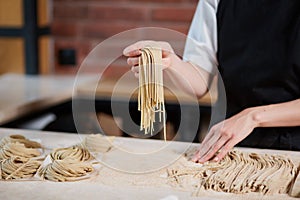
[{"x": 259, "y": 61}]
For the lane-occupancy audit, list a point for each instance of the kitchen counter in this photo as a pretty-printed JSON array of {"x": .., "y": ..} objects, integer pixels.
[
  {"x": 126, "y": 87},
  {"x": 21, "y": 95},
  {"x": 114, "y": 182}
]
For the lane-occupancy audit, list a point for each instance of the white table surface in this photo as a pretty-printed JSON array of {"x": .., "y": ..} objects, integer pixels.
[
  {"x": 22, "y": 94},
  {"x": 109, "y": 183}
]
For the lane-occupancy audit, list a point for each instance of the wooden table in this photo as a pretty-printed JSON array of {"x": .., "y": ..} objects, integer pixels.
[{"x": 109, "y": 183}]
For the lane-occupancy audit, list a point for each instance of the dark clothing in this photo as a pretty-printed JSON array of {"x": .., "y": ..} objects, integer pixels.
[{"x": 259, "y": 61}]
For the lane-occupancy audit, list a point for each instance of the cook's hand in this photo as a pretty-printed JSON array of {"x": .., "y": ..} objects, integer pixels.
[
  {"x": 223, "y": 136},
  {"x": 133, "y": 52}
]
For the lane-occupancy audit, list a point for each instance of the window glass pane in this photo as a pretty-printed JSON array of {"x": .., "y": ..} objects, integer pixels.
[
  {"x": 11, "y": 13},
  {"x": 11, "y": 55},
  {"x": 46, "y": 61},
  {"x": 44, "y": 7}
]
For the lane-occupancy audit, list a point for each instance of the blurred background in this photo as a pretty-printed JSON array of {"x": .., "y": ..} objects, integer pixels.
[
  {"x": 54, "y": 36},
  {"x": 44, "y": 42}
]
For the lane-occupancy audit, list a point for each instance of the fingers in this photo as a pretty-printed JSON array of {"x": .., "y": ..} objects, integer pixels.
[
  {"x": 135, "y": 69},
  {"x": 132, "y": 52},
  {"x": 197, "y": 155},
  {"x": 217, "y": 138},
  {"x": 213, "y": 150},
  {"x": 166, "y": 62},
  {"x": 134, "y": 49},
  {"x": 133, "y": 61},
  {"x": 207, "y": 147},
  {"x": 136, "y": 75},
  {"x": 228, "y": 146}
]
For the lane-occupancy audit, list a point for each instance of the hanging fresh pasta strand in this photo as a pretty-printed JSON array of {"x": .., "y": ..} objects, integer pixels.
[{"x": 151, "y": 92}]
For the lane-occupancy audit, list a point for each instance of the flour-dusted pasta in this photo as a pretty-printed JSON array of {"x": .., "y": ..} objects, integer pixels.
[
  {"x": 17, "y": 161},
  {"x": 151, "y": 90},
  {"x": 18, "y": 167},
  {"x": 76, "y": 153},
  {"x": 18, "y": 149},
  {"x": 97, "y": 143},
  {"x": 65, "y": 170},
  {"x": 86, "y": 150},
  {"x": 21, "y": 158},
  {"x": 73, "y": 163},
  {"x": 20, "y": 139},
  {"x": 239, "y": 172}
]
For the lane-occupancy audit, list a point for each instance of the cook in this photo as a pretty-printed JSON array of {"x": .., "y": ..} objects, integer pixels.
[{"x": 255, "y": 45}]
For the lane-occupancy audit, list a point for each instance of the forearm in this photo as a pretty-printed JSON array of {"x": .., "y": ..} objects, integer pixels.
[
  {"x": 277, "y": 115},
  {"x": 226, "y": 134},
  {"x": 187, "y": 77}
]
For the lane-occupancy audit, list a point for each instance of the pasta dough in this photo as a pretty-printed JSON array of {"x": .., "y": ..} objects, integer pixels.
[
  {"x": 92, "y": 144},
  {"x": 76, "y": 153},
  {"x": 20, "y": 139},
  {"x": 97, "y": 143},
  {"x": 65, "y": 170},
  {"x": 17, "y": 149},
  {"x": 69, "y": 164},
  {"x": 18, "y": 167},
  {"x": 151, "y": 90},
  {"x": 18, "y": 157},
  {"x": 239, "y": 172}
]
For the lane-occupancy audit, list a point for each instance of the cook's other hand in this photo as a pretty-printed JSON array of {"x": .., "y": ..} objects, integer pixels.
[{"x": 223, "y": 136}]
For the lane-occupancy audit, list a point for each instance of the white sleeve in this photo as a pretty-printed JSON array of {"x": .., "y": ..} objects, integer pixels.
[{"x": 201, "y": 44}]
